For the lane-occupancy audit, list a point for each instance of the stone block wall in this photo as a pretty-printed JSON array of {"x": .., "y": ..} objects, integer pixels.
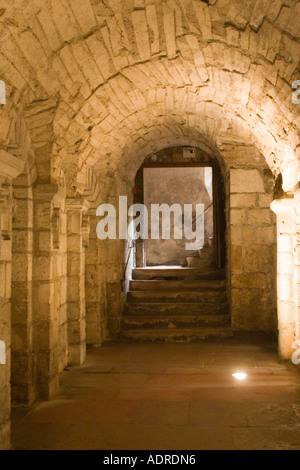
[
  {"x": 252, "y": 251},
  {"x": 95, "y": 285},
  {"x": 10, "y": 168},
  {"x": 49, "y": 288},
  {"x": 115, "y": 253},
  {"x": 60, "y": 283},
  {"x": 288, "y": 272},
  {"x": 295, "y": 261},
  {"x": 49, "y": 330},
  {"x": 22, "y": 379},
  {"x": 5, "y": 308},
  {"x": 105, "y": 298},
  {"x": 77, "y": 239},
  {"x": 105, "y": 278}
]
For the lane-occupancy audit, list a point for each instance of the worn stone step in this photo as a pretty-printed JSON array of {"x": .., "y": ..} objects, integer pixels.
[
  {"x": 181, "y": 296},
  {"x": 169, "y": 321},
  {"x": 177, "y": 273},
  {"x": 171, "y": 308},
  {"x": 177, "y": 334},
  {"x": 177, "y": 285},
  {"x": 176, "y": 304}
]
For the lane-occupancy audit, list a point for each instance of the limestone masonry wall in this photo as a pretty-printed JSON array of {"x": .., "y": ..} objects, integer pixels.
[
  {"x": 5, "y": 307},
  {"x": 252, "y": 251}
]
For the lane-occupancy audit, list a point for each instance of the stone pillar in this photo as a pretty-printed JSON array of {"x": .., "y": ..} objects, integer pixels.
[
  {"x": 252, "y": 251},
  {"x": 115, "y": 264},
  {"x": 49, "y": 299},
  {"x": 286, "y": 299},
  {"x": 10, "y": 168},
  {"x": 77, "y": 240},
  {"x": 95, "y": 287},
  {"x": 22, "y": 378},
  {"x": 297, "y": 260}
]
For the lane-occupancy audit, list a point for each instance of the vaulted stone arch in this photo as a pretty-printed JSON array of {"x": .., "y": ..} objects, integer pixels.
[
  {"x": 93, "y": 87},
  {"x": 86, "y": 54}
]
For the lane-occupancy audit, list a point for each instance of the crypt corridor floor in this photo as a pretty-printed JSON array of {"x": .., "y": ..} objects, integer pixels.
[{"x": 169, "y": 397}]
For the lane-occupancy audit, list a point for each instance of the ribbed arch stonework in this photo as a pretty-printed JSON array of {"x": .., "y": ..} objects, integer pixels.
[{"x": 119, "y": 67}]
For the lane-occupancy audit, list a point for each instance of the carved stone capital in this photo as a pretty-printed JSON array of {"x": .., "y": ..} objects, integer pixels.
[
  {"x": 49, "y": 192},
  {"x": 80, "y": 206},
  {"x": 77, "y": 204},
  {"x": 10, "y": 166}
]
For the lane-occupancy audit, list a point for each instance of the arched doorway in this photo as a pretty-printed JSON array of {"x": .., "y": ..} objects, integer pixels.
[
  {"x": 178, "y": 289},
  {"x": 183, "y": 175}
]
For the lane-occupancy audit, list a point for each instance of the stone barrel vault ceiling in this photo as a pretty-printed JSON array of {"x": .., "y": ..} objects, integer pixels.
[{"x": 103, "y": 83}]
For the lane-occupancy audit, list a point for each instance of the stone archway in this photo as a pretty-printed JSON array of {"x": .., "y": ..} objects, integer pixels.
[
  {"x": 172, "y": 159},
  {"x": 100, "y": 87}
]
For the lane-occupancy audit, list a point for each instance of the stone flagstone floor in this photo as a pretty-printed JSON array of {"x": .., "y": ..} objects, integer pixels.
[{"x": 169, "y": 397}]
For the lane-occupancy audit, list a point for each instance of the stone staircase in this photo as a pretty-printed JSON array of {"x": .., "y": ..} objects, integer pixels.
[{"x": 170, "y": 304}]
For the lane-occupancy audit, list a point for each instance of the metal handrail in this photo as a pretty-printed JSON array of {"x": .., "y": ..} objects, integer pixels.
[
  {"x": 195, "y": 218},
  {"x": 132, "y": 245}
]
